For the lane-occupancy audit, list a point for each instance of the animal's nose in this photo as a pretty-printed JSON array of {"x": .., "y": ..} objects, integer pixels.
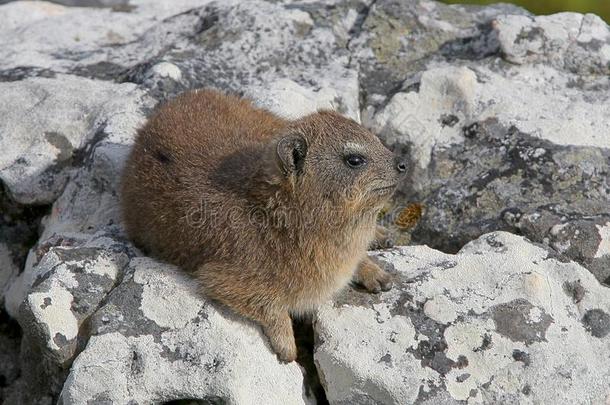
[{"x": 401, "y": 167}]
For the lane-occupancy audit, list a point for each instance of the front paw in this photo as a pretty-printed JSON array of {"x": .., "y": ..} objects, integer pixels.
[
  {"x": 383, "y": 239},
  {"x": 372, "y": 277},
  {"x": 284, "y": 347},
  {"x": 281, "y": 337}
]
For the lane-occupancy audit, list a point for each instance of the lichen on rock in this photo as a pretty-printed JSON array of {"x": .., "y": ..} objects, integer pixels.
[
  {"x": 495, "y": 325},
  {"x": 503, "y": 117}
]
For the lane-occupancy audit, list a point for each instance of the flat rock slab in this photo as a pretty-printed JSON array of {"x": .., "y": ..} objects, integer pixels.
[{"x": 500, "y": 322}]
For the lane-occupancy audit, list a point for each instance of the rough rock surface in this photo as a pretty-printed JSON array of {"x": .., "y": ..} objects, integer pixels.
[
  {"x": 155, "y": 340},
  {"x": 68, "y": 286},
  {"x": 503, "y": 115},
  {"x": 574, "y": 42},
  {"x": 68, "y": 114},
  {"x": 492, "y": 142},
  {"x": 500, "y": 322}
]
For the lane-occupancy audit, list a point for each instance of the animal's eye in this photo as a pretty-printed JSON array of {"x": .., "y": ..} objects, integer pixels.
[{"x": 355, "y": 161}]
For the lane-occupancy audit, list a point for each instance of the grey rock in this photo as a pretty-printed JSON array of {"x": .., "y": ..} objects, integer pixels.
[
  {"x": 503, "y": 116},
  {"x": 241, "y": 45},
  {"x": 156, "y": 340},
  {"x": 117, "y": 4},
  {"x": 493, "y": 324},
  {"x": 574, "y": 42},
  {"x": 584, "y": 239},
  {"x": 47, "y": 126},
  {"x": 90, "y": 201},
  {"x": 394, "y": 41},
  {"x": 227, "y": 45},
  {"x": 44, "y": 39},
  {"x": 88, "y": 207},
  {"x": 546, "y": 111},
  {"x": 69, "y": 286},
  {"x": 482, "y": 154}
]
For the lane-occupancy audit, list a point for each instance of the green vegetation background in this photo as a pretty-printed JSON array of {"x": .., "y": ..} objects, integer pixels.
[{"x": 599, "y": 7}]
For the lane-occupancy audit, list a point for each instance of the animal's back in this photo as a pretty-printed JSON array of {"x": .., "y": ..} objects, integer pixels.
[
  {"x": 207, "y": 124},
  {"x": 176, "y": 175}
]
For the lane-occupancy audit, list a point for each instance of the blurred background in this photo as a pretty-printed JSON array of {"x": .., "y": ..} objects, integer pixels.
[{"x": 599, "y": 7}]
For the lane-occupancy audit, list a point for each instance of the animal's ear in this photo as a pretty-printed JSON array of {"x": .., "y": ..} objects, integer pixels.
[{"x": 291, "y": 151}]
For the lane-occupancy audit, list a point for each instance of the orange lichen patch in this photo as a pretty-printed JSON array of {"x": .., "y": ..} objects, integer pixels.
[{"x": 409, "y": 216}]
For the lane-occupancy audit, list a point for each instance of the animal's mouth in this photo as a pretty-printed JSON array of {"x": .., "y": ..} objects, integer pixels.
[{"x": 385, "y": 189}]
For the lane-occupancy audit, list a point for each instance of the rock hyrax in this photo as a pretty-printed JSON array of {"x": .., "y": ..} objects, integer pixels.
[{"x": 270, "y": 216}]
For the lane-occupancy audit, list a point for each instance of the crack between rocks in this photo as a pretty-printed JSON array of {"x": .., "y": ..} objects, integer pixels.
[
  {"x": 355, "y": 31},
  {"x": 13, "y": 214},
  {"x": 84, "y": 331},
  {"x": 305, "y": 340},
  {"x": 206, "y": 19},
  {"x": 582, "y": 24}
]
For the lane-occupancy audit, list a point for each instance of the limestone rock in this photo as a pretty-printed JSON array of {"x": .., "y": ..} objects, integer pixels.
[
  {"x": 47, "y": 125},
  {"x": 584, "y": 240},
  {"x": 575, "y": 42},
  {"x": 44, "y": 39},
  {"x": 394, "y": 41},
  {"x": 156, "y": 340},
  {"x": 503, "y": 115},
  {"x": 291, "y": 100},
  {"x": 242, "y": 46},
  {"x": 500, "y": 322},
  {"x": 69, "y": 285},
  {"x": 488, "y": 144}
]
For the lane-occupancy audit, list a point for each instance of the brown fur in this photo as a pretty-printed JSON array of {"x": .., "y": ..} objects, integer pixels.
[{"x": 264, "y": 212}]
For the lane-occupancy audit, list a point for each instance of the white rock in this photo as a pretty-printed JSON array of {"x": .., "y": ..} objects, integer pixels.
[
  {"x": 537, "y": 100},
  {"x": 166, "y": 69},
  {"x": 165, "y": 304},
  {"x": 416, "y": 117},
  {"x": 90, "y": 200},
  {"x": 63, "y": 290},
  {"x": 42, "y": 35},
  {"x": 604, "y": 246},
  {"x": 500, "y": 322},
  {"x": 140, "y": 352},
  {"x": 19, "y": 14},
  {"x": 52, "y": 309},
  {"x": 572, "y": 41},
  {"x": 522, "y": 36},
  {"x": 290, "y": 100},
  {"x": 46, "y": 121}
]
